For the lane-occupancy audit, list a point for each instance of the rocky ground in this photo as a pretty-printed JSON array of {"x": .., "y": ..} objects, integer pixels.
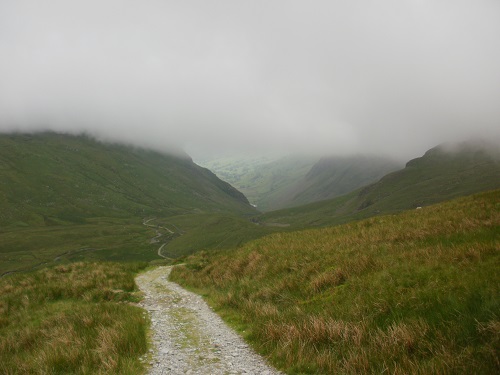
[{"x": 188, "y": 337}]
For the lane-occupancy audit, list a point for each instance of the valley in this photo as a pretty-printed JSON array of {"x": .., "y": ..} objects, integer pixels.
[
  {"x": 314, "y": 288},
  {"x": 249, "y": 187},
  {"x": 285, "y": 181},
  {"x": 60, "y": 194}
]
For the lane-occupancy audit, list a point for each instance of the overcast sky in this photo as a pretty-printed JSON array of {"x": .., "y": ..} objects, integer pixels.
[{"x": 332, "y": 76}]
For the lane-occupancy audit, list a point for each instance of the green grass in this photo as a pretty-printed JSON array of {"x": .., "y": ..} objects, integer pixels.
[
  {"x": 72, "y": 319},
  {"x": 416, "y": 292},
  {"x": 263, "y": 180},
  {"x": 53, "y": 179},
  {"x": 197, "y": 232},
  {"x": 122, "y": 240},
  {"x": 390, "y": 279},
  {"x": 438, "y": 176},
  {"x": 67, "y": 198},
  {"x": 331, "y": 177},
  {"x": 24, "y": 249}
]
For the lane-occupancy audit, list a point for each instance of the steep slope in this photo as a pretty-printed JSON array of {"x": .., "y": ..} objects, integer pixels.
[
  {"x": 69, "y": 198},
  {"x": 444, "y": 172},
  {"x": 294, "y": 180},
  {"x": 264, "y": 180},
  {"x": 333, "y": 176},
  {"x": 52, "y": 178}
]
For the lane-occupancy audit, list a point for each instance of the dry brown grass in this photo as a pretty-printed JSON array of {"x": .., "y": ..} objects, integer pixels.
[
  {"x": 327, "y": 279},
  {"x": 65, "y": 320}
]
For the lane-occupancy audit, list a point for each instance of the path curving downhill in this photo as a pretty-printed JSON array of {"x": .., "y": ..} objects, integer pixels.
[
  {"x": 188, "y": 337},
  {"x": 158, "y": 235}
]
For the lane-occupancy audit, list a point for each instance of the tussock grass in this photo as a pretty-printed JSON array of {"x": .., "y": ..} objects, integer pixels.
[
  {"x": 72, "y": 319},
  {"x": 416, "y": 292}
]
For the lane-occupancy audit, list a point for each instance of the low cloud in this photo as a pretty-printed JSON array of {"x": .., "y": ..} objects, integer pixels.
[{"x": 395, "y": 77}]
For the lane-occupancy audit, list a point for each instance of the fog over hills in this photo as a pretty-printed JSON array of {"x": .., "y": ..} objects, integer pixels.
[
  {"x": 277, "y": 182},
  {"x": 331, "y": 177},
  {"x": 105, "y": 107},
  {"x": 327, "y": 77},
  {"x": 444, "y": 172}
]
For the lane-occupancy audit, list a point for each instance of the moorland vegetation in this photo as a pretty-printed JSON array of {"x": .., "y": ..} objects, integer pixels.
[
  {"x": 72, "y": 319},
  {"x": 416, "y": 292},
  {"x": 411, "y": 291}
]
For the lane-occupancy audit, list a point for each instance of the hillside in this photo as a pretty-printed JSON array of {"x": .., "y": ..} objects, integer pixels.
[
  {"x": 69, "y": 198},
  {"x": 263, "y": 180},
  {"x": 280, "y": 182},
  {"x": 413, "y": 293},
  {"x": 442, "y": 173},
  {"x": 52, "y": 178},
  {"x": 333, "y": 176}
]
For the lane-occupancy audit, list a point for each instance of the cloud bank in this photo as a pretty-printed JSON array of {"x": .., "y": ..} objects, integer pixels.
[{"x": 393, "y": 77}]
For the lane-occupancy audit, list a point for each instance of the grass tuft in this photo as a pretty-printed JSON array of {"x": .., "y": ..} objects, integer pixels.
[{"x": 72, "y": 319}]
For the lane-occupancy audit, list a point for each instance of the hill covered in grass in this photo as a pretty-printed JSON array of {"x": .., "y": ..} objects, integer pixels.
[
  {"x": 442, "y": 173},
  {"x": 263, "y": 180},
  {"x": 49, "y": 178},
  {"x": 416, "y": 292},
  {"x": 294, "y": 180},
  {"x": 332, "y": 176},
  {"x": 69, "y": 198}
]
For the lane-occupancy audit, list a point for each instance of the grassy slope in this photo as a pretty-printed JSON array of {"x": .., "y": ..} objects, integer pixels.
[
  {"x": 23, "y": 249},
  {"x": 262, "y": 180},
  {"x": 72, "y": 320},
  {"x": 416, "y": 292},
  {"x": 209, "y": 232},
  {"x": 437, "y": 176},
  {"x": 48, "y": 179},
  {"x": 66, "y": 198},
  {"x": 295, "y": 180},
  {"x": 334, "y": 176},
  {"x": 59, "y": 232}
]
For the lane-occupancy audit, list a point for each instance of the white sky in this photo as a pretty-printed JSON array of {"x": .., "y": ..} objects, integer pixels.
[{"x": 326, "y": 76}]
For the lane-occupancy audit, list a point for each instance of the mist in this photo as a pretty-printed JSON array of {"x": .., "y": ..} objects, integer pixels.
[{"x": 326, "y": 77}]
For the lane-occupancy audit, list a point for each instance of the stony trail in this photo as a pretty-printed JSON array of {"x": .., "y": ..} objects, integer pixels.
[{"x": 188, "y": 337}]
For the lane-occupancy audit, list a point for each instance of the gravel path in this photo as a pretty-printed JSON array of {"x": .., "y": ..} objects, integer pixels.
[{"x": 188, "y": 337}]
